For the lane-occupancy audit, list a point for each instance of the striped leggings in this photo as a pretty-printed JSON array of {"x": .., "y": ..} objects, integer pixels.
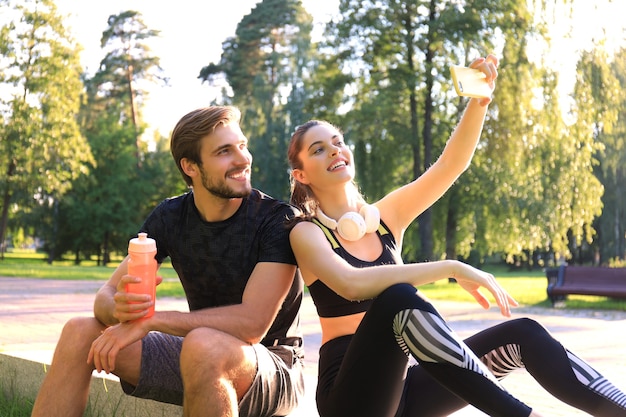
[{"x": 365, "y": 374}]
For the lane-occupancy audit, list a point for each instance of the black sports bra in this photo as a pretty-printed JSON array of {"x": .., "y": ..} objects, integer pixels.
[{"x": 327, "y": 302}]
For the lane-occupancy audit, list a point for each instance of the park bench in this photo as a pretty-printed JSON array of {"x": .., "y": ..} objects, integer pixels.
[{"x": 585, "y": 280}]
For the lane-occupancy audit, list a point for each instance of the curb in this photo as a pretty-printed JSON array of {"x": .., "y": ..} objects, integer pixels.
[{"x": 22, "y": 378}]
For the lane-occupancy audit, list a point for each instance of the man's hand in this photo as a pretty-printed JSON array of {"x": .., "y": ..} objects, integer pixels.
[
  {"x": 105, "y": 348},
  {"x": 129, "y": 306}
]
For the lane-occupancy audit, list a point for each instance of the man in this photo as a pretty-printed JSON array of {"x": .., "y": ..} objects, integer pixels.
[{"x": 238, "y": 351}]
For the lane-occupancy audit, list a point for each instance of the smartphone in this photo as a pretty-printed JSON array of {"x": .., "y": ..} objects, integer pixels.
[{"x": 470, "y": 82}]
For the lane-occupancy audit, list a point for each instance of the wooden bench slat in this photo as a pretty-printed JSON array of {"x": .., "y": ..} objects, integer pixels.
[{"x": 585, "y": 280}]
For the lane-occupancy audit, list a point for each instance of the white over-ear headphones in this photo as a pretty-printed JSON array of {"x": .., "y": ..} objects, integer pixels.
[{"x": 352, "y": 225}]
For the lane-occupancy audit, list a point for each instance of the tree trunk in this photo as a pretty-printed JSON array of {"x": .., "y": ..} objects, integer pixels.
[
  {"x": 451, "y": 225},
  {"x": 105, "y": 250},
  {"x": 133, "y": 112},
  {"x": 6, "y": 199},
  {"x": 52, "y": 253},
  {"x": 425, "y": 220}
]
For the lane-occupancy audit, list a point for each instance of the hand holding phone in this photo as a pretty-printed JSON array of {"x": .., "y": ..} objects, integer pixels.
[{"x": 470, "y": 82}]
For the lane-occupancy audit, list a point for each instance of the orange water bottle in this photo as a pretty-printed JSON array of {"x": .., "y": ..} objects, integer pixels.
[{"x": 142, "y": 264}]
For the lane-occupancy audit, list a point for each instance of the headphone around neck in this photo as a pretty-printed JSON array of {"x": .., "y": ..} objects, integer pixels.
[{"x": 352, "y": 225}]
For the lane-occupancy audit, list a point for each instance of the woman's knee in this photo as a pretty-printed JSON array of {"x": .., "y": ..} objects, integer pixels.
[
  {"x": 403, "y": 297},
  {"x": 399, "y": 292},
  {"x": 527, "y": 327}
]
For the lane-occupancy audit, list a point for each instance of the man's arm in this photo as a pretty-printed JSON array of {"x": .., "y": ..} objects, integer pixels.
[{"x": 249, "y": 321}]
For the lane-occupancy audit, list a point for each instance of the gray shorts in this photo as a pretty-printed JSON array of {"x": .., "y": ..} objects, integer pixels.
[{"x": 275, "y": 391}]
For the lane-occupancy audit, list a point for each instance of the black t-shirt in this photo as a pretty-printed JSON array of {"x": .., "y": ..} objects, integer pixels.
[{"x": 214, "y": 260}]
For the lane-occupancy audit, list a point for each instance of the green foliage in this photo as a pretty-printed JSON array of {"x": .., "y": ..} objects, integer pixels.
[
  {"x": 606, "y": 102},
  {"x": 540, "y": 171},
  {"x": 381, "y": 74},
  {"x": 128, "y": 58},
  {"x": 531, "y": 187},
  {"x": 544, "y": 180},
  {"x": 395, "y": 58},
  {"x": 265, "y": 64},
  {"x": 42, "y": 150},
  {"x": 107, "y": 206},
  {"x": 12, "y": 404},
  {"x": 75, "y": 144}
]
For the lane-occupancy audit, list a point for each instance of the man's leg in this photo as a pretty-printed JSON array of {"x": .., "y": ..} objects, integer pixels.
[
  {"x": 217, "y": 370},
  {"x": 65, "y": 389}
]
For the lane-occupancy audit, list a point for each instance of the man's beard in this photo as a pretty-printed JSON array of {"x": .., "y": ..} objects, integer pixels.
[{"x": 220, "y": 189}]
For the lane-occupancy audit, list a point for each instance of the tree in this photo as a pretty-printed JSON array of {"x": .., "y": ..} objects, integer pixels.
[
  {"x": 599, "y": 102},
  {"x": 127, "y": 62},
  {"x": 120, "y": 193},
  {"x": 266, "y": 66},
  {"x": 41, "y": 148},
  {"x": 515, "y": 199},
  {"x": 612, "y": 222},
  {"x": 397, "y": 55},
  {"x": 382, "y": 74},
  {"x": 106, "y": 207}
]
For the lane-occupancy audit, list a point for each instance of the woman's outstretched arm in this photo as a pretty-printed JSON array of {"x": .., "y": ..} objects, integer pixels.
[{"x": 317, "y": 260}]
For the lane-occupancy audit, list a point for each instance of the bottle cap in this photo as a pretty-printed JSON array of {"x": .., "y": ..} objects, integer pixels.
[{"x": 142, "y": 244}]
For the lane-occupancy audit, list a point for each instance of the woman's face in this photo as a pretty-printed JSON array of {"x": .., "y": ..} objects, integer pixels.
[{"x": 326, "y": 160}]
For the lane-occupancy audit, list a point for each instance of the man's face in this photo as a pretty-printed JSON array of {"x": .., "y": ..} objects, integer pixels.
[{"x": 226, "y": 163}]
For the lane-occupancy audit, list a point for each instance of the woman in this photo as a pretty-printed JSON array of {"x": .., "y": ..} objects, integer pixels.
[{"x": 373, "y": 318}]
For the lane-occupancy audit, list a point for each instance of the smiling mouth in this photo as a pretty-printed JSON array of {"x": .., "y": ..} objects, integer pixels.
[
  {"x": 337, "y": 165},
  {"x": 239, "y": 175}
]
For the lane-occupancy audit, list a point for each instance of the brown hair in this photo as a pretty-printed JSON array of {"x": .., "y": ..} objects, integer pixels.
[
  {"x": 301, "y": 194},
  {"x": 186, "y": 141}
]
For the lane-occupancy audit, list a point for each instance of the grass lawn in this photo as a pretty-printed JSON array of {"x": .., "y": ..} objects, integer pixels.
[
  {"x": 527, "y": 287},
  {"x": 14, "y": 405},
  {"x": 34, "y": 265}
]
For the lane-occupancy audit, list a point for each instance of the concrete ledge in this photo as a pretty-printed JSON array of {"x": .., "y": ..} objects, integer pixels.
[{"x": 23, "y": 378}]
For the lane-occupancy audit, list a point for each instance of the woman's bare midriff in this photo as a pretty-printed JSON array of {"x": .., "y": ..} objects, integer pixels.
[{"x": 333, "y": 327}]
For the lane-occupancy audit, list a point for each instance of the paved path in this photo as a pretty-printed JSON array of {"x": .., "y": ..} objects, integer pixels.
[{"x": 33, "y": 311}]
